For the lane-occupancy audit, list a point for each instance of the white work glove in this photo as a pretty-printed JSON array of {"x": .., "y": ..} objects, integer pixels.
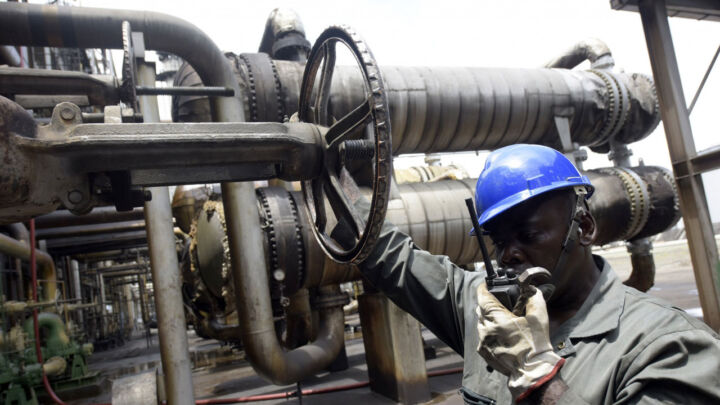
[{"x": 517, "y": 346}]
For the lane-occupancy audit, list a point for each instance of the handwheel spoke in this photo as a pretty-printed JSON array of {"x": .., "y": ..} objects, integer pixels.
[
  {"x": 319, "y": 203},
  {"x": 361, "y": 115},
  {"x": 341, "y": 206},
  {"x": 323, "y": 97}
]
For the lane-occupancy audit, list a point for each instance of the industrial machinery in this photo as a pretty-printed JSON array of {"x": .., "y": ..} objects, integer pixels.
[{"x": 258, "y": 267}]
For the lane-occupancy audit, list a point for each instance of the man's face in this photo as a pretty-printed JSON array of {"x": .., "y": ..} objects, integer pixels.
[{"x": 531, "y": 235}]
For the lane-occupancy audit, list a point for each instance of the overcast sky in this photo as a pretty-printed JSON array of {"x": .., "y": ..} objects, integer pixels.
[{"x": 499, "y": 33}]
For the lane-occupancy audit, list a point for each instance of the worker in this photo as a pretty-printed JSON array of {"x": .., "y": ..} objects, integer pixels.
[{"x": 594, "y": 341}]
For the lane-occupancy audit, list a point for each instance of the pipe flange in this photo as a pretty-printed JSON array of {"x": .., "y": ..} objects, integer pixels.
[
  {"x": 128, "y": 94},
  {"x": 624, "y": 105},
  {"x": 284, "y": 237},
  {"x": 667, "y": 174},
  {"x": 217, "y": 259},
  {"x": 330, "y": 301},
  {"x": 638, "y": 197},
  {"x": 265, "y": 101},
  {"x": 612, "y": 97},
  {"x": 643, "y": 200}
]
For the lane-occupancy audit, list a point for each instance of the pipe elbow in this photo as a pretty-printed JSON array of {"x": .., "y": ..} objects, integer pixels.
[
  {"x": 592, "y": 49},
  {"x": 55, "y": 366}
]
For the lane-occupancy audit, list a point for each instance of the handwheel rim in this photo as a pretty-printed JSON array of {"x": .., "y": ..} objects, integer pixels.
[{"x": 375, "y": 102}]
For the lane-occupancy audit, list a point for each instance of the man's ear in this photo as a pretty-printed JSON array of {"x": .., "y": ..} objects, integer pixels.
[{"x": 587, "y": 229}]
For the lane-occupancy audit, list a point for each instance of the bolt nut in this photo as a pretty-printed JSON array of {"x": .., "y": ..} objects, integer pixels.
[
  {"x": 67, "y": 113},
  {"x": 75, "y": 197}
]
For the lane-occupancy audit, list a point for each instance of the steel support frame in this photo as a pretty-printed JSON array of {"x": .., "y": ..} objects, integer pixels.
[{"x": 693, "y": 203}]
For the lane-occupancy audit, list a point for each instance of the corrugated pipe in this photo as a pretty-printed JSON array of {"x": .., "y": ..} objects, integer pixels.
[
  {"x": 591, "y": 49},
  {"x": 23, "y": 250},
  {"x": 443, "y": 109}
]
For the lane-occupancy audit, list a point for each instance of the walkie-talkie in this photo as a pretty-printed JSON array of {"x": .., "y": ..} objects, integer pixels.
[{"x": 505, "y": 284}]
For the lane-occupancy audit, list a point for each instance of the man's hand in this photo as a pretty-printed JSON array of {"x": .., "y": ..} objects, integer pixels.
[{"x": 516, "y": 346}]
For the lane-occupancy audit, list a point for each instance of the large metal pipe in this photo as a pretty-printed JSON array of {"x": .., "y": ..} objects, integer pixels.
[
  {"x": 629, "y": 203},
  {"x": 15, "y": 248},
  {"x": 253, "y": 300},
  {"x": 437, "y": 109}
]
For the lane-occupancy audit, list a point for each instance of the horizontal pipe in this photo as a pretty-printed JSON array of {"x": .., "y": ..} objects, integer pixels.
[
  {"x": 93, "y": 229},
  {"x": 15, "y": 248},
  {"x": 100, "y": 89},
  {"x": 99, "y": 215},
  {"x": 184, "y": 91}
]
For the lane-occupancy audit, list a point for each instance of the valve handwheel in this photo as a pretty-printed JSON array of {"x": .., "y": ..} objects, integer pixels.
[{"x": 363, "y": 133}]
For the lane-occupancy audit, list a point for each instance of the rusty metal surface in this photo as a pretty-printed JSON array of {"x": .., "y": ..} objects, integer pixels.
[
  {"x": 99, "y": 89},
  {"x": 150, "y": 154},
  {"x": 393, "y": 350}
]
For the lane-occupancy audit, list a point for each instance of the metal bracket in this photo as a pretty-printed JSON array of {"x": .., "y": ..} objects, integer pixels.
[{"x": 571, "y": 150}]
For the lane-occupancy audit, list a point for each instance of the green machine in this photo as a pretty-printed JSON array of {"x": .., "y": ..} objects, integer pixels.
[
  {"x": 57, "y": 344},
  {"x": 65, "y": 361}
]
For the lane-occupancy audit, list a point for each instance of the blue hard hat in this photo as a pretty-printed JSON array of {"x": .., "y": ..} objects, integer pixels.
[{"x": 517, "y": 173}]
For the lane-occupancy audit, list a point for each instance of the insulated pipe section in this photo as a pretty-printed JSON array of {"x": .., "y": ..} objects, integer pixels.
[
  {"x": 437, "y": 109},
  {"x": 591, "y": 49},
  {"x": 20, "y": 249}
]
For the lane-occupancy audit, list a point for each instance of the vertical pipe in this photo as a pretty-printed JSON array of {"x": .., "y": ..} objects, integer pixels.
[
  {"x": 77, "y": 291},
  {"x": 681, "y": 145},
  {"x": 166, "y": 273},
  {"x": 103, "y": 308}
]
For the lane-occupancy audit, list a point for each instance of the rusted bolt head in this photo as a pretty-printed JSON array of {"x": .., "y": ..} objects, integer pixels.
[
  {"x": 75, "y": 196},
  {"x": 67, "y": 113}
]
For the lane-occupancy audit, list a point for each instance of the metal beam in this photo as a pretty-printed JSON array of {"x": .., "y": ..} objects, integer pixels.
[
  {"x": 695, "y": 9},
  {"x": 681, "y": 146}
]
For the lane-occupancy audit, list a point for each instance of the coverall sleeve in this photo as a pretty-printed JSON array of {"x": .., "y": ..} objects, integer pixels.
[
  {"x": 681, "y": 367},
  {"x": 429, "y": 287}
]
